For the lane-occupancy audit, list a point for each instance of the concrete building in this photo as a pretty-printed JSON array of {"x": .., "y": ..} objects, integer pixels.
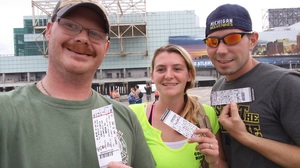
[{"x": 135, "y": 34}]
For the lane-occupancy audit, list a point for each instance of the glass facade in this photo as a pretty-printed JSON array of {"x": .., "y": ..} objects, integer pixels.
[
  {"x": 160, "y": 25},
  {"x": 29, "y": 41},
  {"x": 127, "y": 62}
]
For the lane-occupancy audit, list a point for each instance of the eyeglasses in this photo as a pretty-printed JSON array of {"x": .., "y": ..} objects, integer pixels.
[
  {"x": 72, "y": 28},
  {"x": 229, "y": 39}
]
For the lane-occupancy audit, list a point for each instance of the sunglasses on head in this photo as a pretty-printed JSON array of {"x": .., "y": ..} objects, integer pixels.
[{"x": 229, "y": 39}]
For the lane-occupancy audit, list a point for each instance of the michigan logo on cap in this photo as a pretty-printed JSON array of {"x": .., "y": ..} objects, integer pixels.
[{"x": 221, "y": 23}]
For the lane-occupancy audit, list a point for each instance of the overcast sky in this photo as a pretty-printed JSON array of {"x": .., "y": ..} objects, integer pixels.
[{"x": 12, "y": 12}]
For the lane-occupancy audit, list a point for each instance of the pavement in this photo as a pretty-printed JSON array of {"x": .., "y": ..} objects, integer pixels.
[{"x": 202, "y": 92}]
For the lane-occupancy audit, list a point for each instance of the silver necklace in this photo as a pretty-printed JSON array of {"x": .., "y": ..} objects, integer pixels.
[{"x": 45, "y": 88}]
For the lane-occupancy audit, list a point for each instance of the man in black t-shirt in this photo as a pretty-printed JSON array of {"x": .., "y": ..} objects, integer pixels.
[{"x": 148, "y": 90}]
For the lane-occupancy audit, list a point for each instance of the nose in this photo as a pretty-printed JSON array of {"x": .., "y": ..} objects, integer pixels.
[
  {"x": 83, "y": 36},
  {"x": 222, "y": 48},
  {"x": 169, "y": 74}
]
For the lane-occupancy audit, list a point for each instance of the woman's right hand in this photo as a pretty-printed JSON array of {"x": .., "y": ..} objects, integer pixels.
[{"x": 207, "y": 144}]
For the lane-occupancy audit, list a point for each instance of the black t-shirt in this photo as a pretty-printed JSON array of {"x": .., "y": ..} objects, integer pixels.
[
  {"x": 274, "y": 114},
  {"x": 148, "y": 90}
]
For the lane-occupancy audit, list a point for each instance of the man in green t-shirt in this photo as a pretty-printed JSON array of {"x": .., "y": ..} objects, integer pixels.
[{"x": 60, "y": 121}]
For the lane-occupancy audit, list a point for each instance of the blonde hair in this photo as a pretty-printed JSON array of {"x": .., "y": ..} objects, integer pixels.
[{"x": 192, "y": 106}]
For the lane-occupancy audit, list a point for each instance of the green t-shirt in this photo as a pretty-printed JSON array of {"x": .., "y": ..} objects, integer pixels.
[
  {"x": 165, "y": 157},
  {"x": 38, "y": 131}
]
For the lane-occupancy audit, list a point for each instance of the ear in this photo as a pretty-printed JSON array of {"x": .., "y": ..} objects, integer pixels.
[
  {"x": 189, "y": 76},
  {"x": 152, "y": 79},
  {"x": 107, "y": 46},
  {"x": 48, "y": 30},
  {"x": 253, "y": 40}
]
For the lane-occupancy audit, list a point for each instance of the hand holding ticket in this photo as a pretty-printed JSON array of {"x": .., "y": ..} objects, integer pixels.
[{"x": 178, "y": 123}]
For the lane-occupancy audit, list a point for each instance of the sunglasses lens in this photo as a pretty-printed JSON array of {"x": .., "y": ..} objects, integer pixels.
[
  {"x": 212, "y": 42},
  {"x": 232, "y": 39}
]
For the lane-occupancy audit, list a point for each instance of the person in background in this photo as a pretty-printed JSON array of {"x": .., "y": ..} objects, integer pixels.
[
  {"x": 137, "y": 96},
  {"x": 116, "y": 95},
  {"x": 173, "y": 73},
  {"x": 148, "y": 90},
  {"x": 51, "y": 123},
  {"x": 131, "y": 98},
  {"x": 261, "y": 131}
]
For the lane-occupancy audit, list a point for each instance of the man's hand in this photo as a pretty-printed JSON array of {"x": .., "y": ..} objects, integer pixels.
[
  {"x": 232, "y": 122},
  {"x": 117, "y": 165}
]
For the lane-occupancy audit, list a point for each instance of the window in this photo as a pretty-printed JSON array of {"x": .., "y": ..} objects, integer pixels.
[{"x": 109, "y": 75}]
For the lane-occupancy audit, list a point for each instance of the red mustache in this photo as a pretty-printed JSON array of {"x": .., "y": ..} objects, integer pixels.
[{"x": 81, "y": 49}]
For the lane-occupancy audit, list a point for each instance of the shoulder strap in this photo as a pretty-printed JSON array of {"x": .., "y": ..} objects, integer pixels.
[
  {"x": 203, "y": 119},
  {"x": 151, "y": 113}
]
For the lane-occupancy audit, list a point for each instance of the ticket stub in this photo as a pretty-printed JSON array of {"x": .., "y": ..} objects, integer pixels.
[
  {"x": 239, "y": 95},
  {"x": 178, "y": 123},
  {"x": 106, "y": 137}
]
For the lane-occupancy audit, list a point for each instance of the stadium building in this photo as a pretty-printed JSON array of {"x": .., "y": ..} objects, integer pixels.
[{"x": 134, "y": 36}]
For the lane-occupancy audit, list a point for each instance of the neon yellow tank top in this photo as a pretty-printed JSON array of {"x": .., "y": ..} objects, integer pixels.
[{"x": 186, "y": 156}]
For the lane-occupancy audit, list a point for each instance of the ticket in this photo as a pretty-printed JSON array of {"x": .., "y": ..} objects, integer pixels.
[
  {"x": 239, "y": 95},
  {"x": 178, "y": 123},
  {"x": 106, "y": 137}
]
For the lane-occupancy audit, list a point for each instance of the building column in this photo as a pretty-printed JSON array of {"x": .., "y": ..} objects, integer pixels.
[
  {"x": 124, "y": 73},
  {"x": 3, "y": 77},
  {"x": 101, "y": 85},
  {"x": 28, "y": 77},
  {"x": 148, "y": 72},
  {"x": 100, "y": 74},
  {"x": 125, "y": 86}
]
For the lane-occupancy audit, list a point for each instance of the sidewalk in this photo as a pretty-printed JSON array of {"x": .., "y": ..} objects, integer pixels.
[{"x": 202, "y": 92}]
